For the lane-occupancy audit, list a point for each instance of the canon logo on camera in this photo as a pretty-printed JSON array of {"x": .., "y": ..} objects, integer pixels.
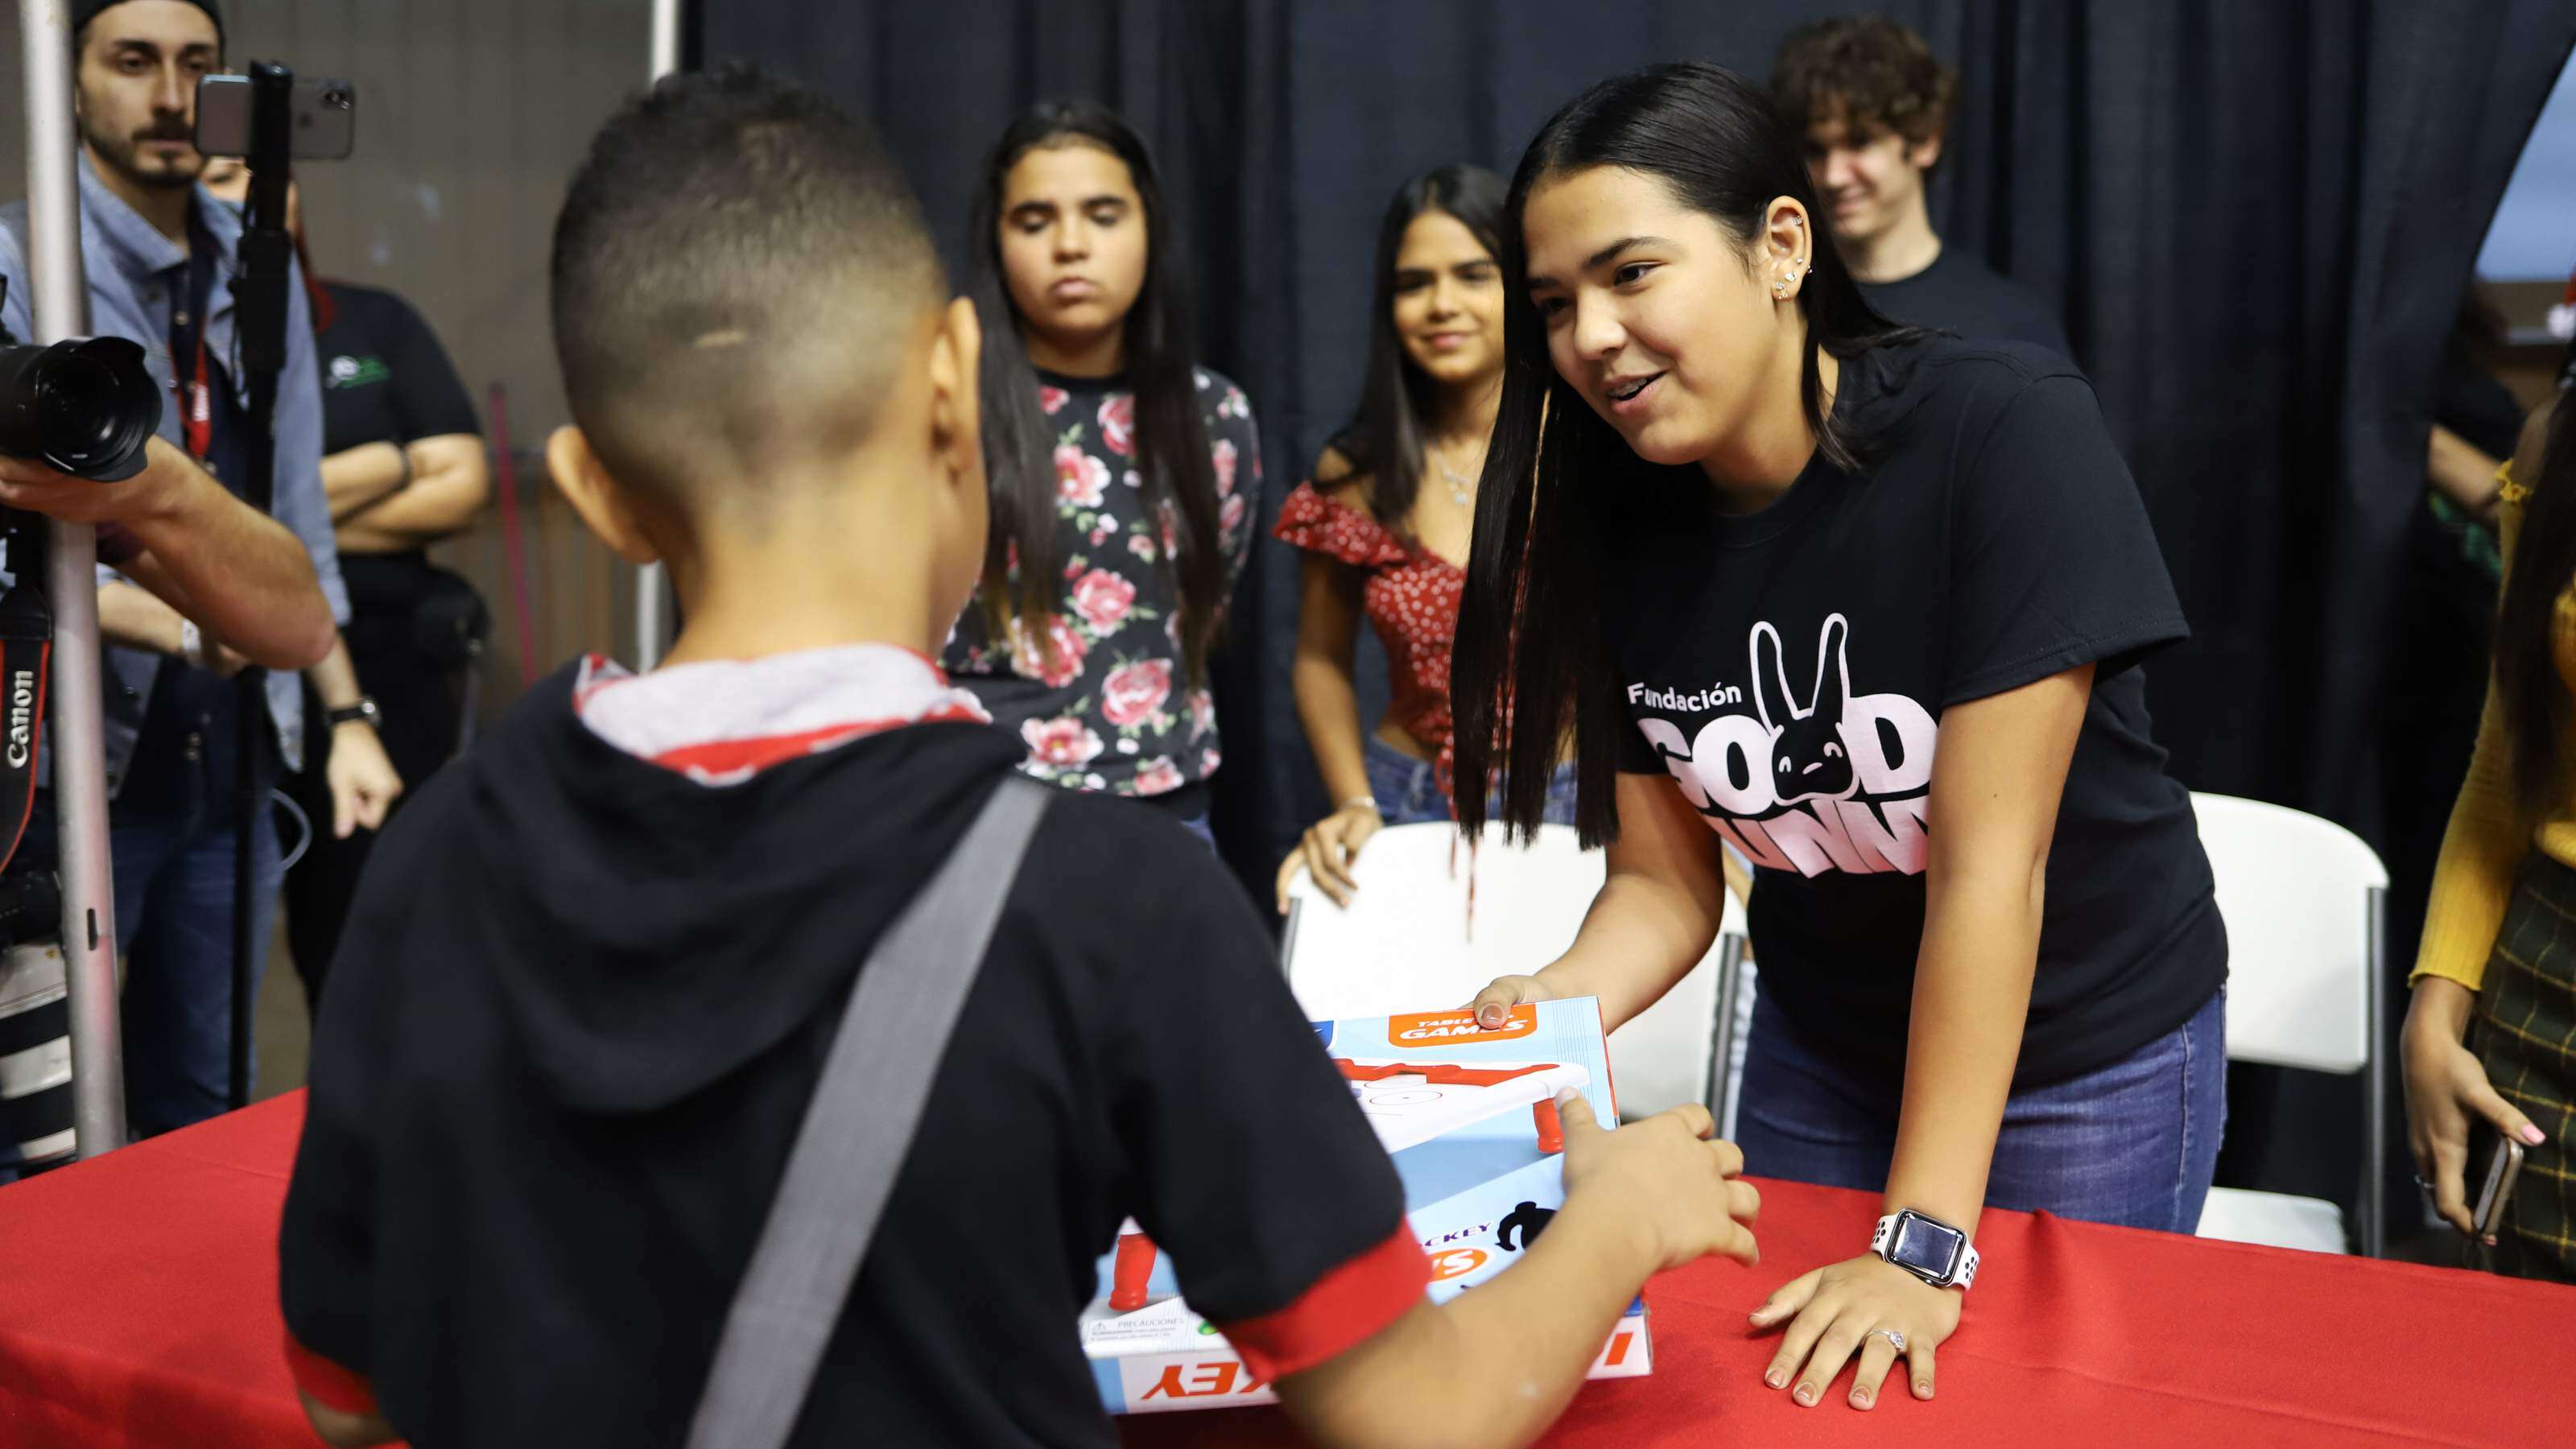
[{"x": 22, "y": 717}]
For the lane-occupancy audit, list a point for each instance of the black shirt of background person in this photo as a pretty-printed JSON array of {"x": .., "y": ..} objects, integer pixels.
[
  {"x": 385, "y": 379},
  {"x": 1792, "y": 666},
  {"x": 1956, "y": 294},
  {"x": 2470, "y": 401}
]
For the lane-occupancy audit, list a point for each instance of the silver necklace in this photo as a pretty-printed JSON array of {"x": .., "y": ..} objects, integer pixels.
[{"x": 1462, "y": 486}]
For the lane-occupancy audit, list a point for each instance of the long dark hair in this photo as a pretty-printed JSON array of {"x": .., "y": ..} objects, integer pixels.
[
  {"x": 2529, "y": 693},
  {"x": 1384, "y": 437},
  {"x": 1530, "y": 666},
  {"x": 1161, "y": 365}
]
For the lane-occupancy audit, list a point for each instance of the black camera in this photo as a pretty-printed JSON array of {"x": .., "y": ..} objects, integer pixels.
[{"x": 85, "y": 408}]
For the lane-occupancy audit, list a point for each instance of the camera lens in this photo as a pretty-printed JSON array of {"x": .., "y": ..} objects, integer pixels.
[
  {"x": 86, "y": 408},
  {"x": 75, "y": 398}
]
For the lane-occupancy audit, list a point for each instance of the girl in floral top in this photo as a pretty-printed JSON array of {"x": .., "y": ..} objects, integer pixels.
[
  {"x": 1120, "y": 472},
  {"x": 1386, "y": 519}
]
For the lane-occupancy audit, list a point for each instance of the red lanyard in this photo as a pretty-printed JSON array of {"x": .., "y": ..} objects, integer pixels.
[
  {"x": 196, "y": 402},
  {"x": 188, "y": 335}
]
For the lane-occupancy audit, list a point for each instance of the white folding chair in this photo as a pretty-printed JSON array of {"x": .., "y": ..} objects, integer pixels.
[
  {"x": 2302, "y": 900},
  {"x": 1407, "y": 942}
]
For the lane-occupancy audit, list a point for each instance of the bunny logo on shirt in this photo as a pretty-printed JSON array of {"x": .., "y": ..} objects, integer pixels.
[{"x": 1837, "y": 783}]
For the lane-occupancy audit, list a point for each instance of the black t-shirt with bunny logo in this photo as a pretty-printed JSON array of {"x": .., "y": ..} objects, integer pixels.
[{"x": 1789, "y": 669}]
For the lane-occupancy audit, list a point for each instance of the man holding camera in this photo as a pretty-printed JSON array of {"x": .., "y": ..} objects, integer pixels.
[{"x": 161, "y": 256}]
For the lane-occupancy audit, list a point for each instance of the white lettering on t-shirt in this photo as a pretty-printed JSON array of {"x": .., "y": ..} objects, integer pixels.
[
  {"x": 1715, "y": 696},
  {"x": 1839, "y": 783}
]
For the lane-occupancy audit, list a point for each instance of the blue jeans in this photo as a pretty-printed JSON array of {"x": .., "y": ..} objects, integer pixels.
[
  {"x": 2134, "y": 1143},
  {"x": 170, "y": 834},
  {"x": 174, "y": 909},
  {"x": 1408, "y": 790}
]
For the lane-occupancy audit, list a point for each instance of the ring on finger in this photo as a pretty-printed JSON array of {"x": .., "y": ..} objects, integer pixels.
[{"x": 1895, "y": 1338}]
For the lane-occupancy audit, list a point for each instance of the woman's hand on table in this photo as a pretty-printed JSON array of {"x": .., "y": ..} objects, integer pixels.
[
  {"x": 1842, "y": 1309},
  {"x": 2446, "y": 1089}
]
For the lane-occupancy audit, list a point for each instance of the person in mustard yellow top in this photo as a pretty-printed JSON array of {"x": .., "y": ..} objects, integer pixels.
[{"x": 2491, "y": 1034}]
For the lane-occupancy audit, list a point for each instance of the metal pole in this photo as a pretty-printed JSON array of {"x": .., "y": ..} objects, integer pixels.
[
  {"x": 61, "y": 307},
  {"x": 2374, "y": 1156},
  {"x": 666, "y": 37},
  {"x": 651, "y": 590},
  {"x": 259, "y": 333}
]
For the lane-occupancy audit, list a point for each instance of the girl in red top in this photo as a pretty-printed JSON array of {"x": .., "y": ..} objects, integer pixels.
[{"x": 1385, "y": 522}]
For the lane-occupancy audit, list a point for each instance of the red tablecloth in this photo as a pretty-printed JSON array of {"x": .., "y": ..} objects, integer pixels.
[
  {"x": 138, "y": 1306},
  {"x": 138, "y": 1293}
]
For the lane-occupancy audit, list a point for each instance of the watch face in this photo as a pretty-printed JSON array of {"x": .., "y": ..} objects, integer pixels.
[{"x": 1925, "y": 1246}]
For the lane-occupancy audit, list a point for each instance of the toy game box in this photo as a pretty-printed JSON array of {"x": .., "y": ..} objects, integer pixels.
[{"x": 1469, "y": 1117}]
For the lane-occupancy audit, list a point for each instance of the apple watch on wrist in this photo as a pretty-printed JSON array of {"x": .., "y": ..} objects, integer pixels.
[{"x": 1926, "y": 1247}]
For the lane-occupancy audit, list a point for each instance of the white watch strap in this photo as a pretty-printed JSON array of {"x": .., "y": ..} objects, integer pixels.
[
  {"x": 1878, "y": 1243},
  {"x": 192, "y": 642}
]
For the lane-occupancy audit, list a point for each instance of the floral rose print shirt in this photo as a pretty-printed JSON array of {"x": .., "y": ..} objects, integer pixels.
[{"x": 1114, "y": 711}]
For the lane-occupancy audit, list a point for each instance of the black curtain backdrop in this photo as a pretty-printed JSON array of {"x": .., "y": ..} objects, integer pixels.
[{"x": 2258, "y": 219}]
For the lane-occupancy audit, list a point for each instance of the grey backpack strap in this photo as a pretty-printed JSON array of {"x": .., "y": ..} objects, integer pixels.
[{"x": 857, "y": 1131}]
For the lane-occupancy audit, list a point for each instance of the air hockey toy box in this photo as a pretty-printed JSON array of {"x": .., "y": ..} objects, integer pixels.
[{"x": 1469, "y": 1116}]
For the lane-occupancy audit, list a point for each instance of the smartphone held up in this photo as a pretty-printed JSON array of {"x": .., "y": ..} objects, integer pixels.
[{"x": 322, "y": 117}]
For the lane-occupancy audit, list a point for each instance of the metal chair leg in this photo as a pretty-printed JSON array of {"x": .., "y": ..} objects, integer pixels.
[
  {"x": 1730, "y": 974},
  {"x": 2374, "y": 1158},
  {"x": 1288, "y": 934}
]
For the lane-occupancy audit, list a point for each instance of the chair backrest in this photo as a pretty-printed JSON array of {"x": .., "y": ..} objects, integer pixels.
[
  {"x": 1408, "y": 943},
  {"x": 2301, "y": 898}
]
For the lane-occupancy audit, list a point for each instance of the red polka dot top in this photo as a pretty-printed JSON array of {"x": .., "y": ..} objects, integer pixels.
[{"x": 1411, "y": 598}]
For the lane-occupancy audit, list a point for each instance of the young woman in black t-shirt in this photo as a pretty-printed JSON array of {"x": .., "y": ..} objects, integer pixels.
[
  {"x": 1865, "y": 604},
  {"x": 1121, "y": 472}
]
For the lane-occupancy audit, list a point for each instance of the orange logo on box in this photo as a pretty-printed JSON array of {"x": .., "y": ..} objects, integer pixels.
[
  {"x": 1441, "y": 1028},
  {"x": 1206, "y": 1379},
  {"x": 1455, "y": 1263}
]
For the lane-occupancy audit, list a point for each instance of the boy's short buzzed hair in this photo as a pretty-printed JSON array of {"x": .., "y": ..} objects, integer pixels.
[
  {"x": 739, "y": 270},
  {"x": 1867, "y": 71}
]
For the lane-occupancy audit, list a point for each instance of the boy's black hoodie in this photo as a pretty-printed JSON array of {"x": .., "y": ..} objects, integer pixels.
[{"x": 573, "y": 1026}]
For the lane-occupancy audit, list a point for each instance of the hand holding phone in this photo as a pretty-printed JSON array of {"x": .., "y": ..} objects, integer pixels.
[
  {"x": 2503, "y": 1165},
  {"x": 2455, "y": 1116}
]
